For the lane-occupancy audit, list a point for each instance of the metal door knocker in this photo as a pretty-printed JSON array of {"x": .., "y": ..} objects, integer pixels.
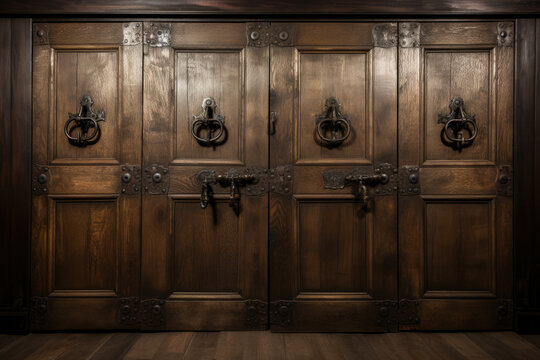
[
  {"x": 455, "y": 124},
  {"x": 333, "y": 121},
  {"x": 87, "y": 121},
  {"x": 210, "y": 121}
]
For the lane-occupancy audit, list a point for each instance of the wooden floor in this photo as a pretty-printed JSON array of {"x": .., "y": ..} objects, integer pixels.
[{"x": 266, "y": 345}]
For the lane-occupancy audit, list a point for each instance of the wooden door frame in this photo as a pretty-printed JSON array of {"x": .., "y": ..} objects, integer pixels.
[{"x": 17, "y": 118}]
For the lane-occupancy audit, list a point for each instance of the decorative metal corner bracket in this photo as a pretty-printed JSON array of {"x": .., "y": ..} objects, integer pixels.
[
  {"x": 385, "y": 35},
  {"x": 409, "y": 180},
  {"x": 409, "y": 312},
  {"x": 256, "y": 313},
  {"x": 38, "y": 310},
  {"x": 409, "y": 35},
  {"x": 281, "y": 313},
  {"x": 157, "y": 35},
  {"x": 384, "y": 178},
  {"x": 505, "y": 34},
  {"x": 148, "y": 313},
  {"x": 156, "y": 179},
  {"x": 41, "y": 34},
  {"x": 131, "y": 179},
  {"x": 387, "y": 313},
  {"x": 261, "y": 34},
  {"x": 40, "y": 179},
  {"x": 132, "y": 33},
  {"x": 505, "y": 186},
  {"x": 153, "y": 313},
  {"x": 505, "y": 311},
  {"x": 129, "y": 312}
]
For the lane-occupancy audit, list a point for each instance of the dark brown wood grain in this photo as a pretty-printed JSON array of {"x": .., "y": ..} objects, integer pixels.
[
  {"x": 527, "y": 165},
  {"x": 450, "y": 7},
  {"x": 15, "y": 133},
  {"x": 455, "y": 238}
]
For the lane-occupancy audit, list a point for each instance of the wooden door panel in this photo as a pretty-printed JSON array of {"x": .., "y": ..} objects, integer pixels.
[
  {"x": 211, "y": 73},
  {"x": 95, "y": 73},
  {"x": 85, "y": 232},
  {"x": 455, "y": 223},
  {"x": 333, "y": 262},
  {"x": 469, "y": 75},
  {"x": 207, "y": 267},
  {"x": 346, "y": 76}
]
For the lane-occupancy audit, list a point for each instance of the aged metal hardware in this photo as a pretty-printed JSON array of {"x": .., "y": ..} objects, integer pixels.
[
  {"x": 455, "y": 123},
  {"x": 387, "y": 313},
  {"x": 256, "y": 312},
  {"x": 409, "y": 180},
  {"x": 38, "y": 310},
  {"x": 278, "y": 180},
  {"x": 505, "y": 310},
  {"x": 262, "y": 34},
  {"x": 505, "y": 34},
  {"x": 504, "y": 181},
  {"x": 281, "y": 313},
  {"x": 41, "y": 34},
  {"x": 408, "y": 312},
  {"x": 153, "y": 313},
  {"x": 384, "y": 35},
  {"x": 132, "y": 33},
  {"x": 359, "y": 179},
  {"x": 40, "y": 179},
  {"x": 157, "y": 35},
  {"x": 131, "y": 179},
  {"x": 156, "y": 179},
  {"x": 272, "y": 123},
  {"x": 210, "y": 121},
  {"x": 234, "y": 178},
  {"x": 85, "y": 120},
  {"x": 334, "y": 121},
  {"x": 128, "y": 313},
  {"x": 409, "y": 34}
]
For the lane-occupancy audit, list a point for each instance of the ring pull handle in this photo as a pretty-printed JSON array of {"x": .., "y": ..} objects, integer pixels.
[
  {"x": 333, "y": 121},
  {"x": 460, "y": 129},
  {"x": 87, "y": 121},
  {"x": 210, "y": 121}
]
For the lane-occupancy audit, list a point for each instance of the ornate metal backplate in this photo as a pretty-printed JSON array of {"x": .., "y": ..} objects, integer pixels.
[
  {"x": 210, "y": 122},
  {"x": 460, "y": 129},
  {"x": 385, "y": 35},
  {"x": 409, "y": 35},
  {"x": 409, "y": 180},
  {"x": 86, "y": 122},
  {"x": 157, "y": 34},
  {"x": 153, "y": 313},
  {"x": 156, "y": 179},
  {"x": 505, "y": 34},
  {"x": 408, "y": 312},
  {"x": 281, "y": 313},
  {"x": 262, "y": 34},
  {"x": 278, "y": 180},
  {"x": 505, "y": 186},
  {"x": 131, "y": 179},
  {"x": 132, "y": 33},
  {"x": 129, "y": 312},
  {"x": 387, "y": 313},
  {"x": 41, "y": 34},
  {"x": 256, "y": 313},
  {"x": 40, "y": 179},
  {"x": 38, "y": 310}
]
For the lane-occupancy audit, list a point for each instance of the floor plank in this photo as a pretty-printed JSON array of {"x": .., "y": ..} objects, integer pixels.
[{"x": 264, "y": 345}]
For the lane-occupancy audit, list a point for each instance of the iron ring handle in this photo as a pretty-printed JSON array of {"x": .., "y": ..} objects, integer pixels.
[
  {"x": 334, "y": 123},
  {"x": 79, "y": 139},
  {"x": 462, "y": 140},
  {"x": 197, "y": 124}
]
